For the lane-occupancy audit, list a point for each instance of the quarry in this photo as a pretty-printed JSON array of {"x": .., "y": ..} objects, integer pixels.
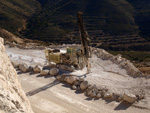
[
  {"x": 112, "y": 85},
  {"x": 53, "y": 62}
]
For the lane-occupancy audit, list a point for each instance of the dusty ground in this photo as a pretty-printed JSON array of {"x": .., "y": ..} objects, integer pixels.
[{"x": 50, "y": 96}]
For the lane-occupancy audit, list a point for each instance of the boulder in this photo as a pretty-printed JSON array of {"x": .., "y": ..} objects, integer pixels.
[
  {"x": 117, "y": 97},
  {"x": 30, "y": 69},
  {"x": 37, "y": 69},
  {"x": 70, "y": 79},
  {"x": 98, "y": 96},
  {"x": 129, "y": 98},
  {"x": 91, "y": 93},
  {"x": 54, "y": 71},
  {"x": 58, "y": 77},
  {"x": 52, "y": 65},
  {"x": 74, "y": 87},
  {"x": 44, "y": 72},
  {"x": 15, "y": 64},
  {"x": 77, "y": 82},
  {"x": 90, "y": 87},
  {"x": 84, "y": 85},
  {"x": 140, "y": 96},
  {"x": 61, "y": 77},
  {"x": 24, "y": 67},
  {"x": 120, "y": 98},
  {"x": 86, "y": 92},
  {"x": 102, "y": 93},
  {"x": 108, "y": 95}
]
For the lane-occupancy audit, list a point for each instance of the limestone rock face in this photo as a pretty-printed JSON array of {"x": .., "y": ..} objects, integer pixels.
[{"x": 12, "y": 97}]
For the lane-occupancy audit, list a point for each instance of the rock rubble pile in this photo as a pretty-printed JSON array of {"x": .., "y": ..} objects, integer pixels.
[
  {"x": 122, "y": 62},
  {"x": 80, "y": 84}
]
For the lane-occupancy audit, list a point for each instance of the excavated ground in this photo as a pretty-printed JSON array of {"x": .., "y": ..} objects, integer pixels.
[{"x": 49, "y": 96}]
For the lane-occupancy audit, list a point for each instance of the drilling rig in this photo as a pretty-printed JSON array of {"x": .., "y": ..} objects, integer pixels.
[{"x": 75, "y": 55}]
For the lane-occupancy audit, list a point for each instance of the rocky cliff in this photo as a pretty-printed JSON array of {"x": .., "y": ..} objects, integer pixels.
[{"x": 12, "y": 97}]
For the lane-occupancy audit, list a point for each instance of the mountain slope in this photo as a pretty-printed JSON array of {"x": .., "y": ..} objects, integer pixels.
[
  {"x": 142, "y": 16},
  {"x": 51, "y": 20},
  {"x": 14, "y": 13},
  {"x": 111, "y": 16}
]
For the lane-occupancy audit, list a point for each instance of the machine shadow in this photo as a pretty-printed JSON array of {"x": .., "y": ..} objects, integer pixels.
[{"x": 43, "y": 88}]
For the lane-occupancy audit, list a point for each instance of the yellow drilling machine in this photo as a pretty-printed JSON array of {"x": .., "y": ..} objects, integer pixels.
[{"x": 76, "y": 56}]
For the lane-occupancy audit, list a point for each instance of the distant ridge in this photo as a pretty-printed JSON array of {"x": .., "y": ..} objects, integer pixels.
[{"x": 55, "y": 20}]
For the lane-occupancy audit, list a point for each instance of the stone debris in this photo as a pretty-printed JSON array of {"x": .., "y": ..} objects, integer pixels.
[
  {"x": 37, "y": 69},
  {"x": 140, "y": 96},
  {"x": 84, "y": 85},
  {"x": 15, "y": 64},
  {"x": 74, "y": 87},
  {"x": 70, "y": 79},
  {"x": 129, "y": 98},
  {"x": 45, "y": 72},
  {"x": 52, "y": 65},
  {"x": 91, "y": 93},
  {"x": 61, "y": 77},
  {"x": 78, "y": 83},
  {"x": 108, "y": 95},
  {"x": 24, "y": 67},
  {"x": 98, "y": 96},
  {"x": 54, "y": 71},
  {"x": 30, "y": 69},
  {"x": 122, "y": 62}
]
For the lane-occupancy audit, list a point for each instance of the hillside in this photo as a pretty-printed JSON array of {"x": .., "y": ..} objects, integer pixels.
[
  {"x": 142, "y": 17},
  {"x": 14, "y": 13},
  {"x": 56, "y": 21},
  {"x": 113, "y": 17}
]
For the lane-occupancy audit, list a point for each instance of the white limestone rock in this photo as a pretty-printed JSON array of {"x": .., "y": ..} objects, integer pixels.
[
  {"x": 12, "y": 96},
  {"x": 84, "y": 85},
  {"x": 37, "y": 69},
  {"x": 74, "y": 87},
  {"x": 54, "y": 71},
  {"x": 129, "y": 98},
  {"x": 70, "y": 79},
  {"x": 45, "y": 72},
  {"x": 24, "y": 67}
]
